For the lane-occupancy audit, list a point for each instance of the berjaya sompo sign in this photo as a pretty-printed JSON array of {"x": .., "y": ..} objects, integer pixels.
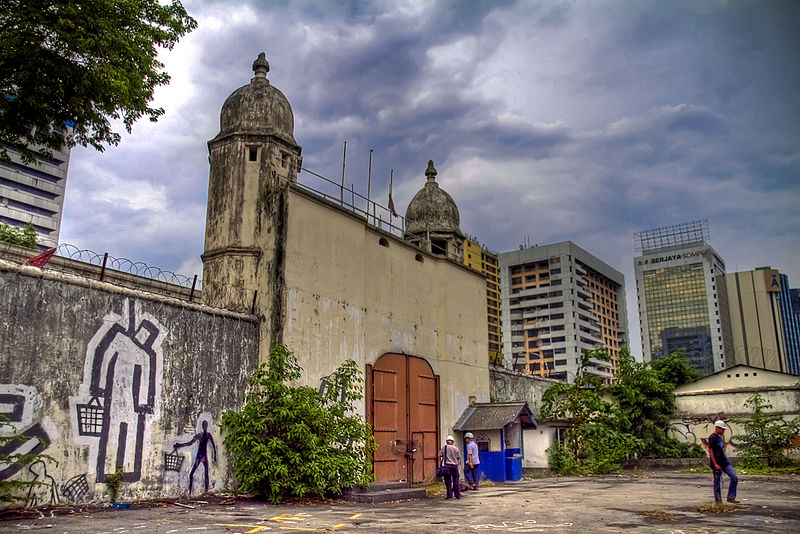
[{"x": 673, "y": 257}]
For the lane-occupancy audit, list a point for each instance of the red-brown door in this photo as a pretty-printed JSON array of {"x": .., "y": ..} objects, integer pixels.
[{"x": 403, "y": 406}]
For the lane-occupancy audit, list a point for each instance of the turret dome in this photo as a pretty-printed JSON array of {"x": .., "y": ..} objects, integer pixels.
[
  {"x": 257, "y": 108},
  {"x": 432, "y": 209}
]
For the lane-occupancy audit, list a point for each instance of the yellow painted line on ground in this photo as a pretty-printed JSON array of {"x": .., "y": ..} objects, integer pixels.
[
  {"x": 290, "y": 518},
  {"x": 356, "y": 516},
  {"x": 256, "y": 528},
  {"x": 337, "y": 527}
]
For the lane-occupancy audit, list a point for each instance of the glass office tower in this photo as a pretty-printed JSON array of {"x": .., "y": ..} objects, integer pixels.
[{"x": 680, "y": 286}]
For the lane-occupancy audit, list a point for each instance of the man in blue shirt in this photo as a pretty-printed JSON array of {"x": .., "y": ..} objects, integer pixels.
[
  {"x": 719, "y": 463},
  {"x": 472, "y": 460}
]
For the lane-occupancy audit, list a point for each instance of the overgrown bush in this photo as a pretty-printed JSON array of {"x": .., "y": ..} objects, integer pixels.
[
  {"x": 296, "y": 440},
  {"x": 645, "y": 395},
  {"x": 766, "y": 435},
  {"x": 593, "y": 443},
  {"x": 560, "y": 460}
]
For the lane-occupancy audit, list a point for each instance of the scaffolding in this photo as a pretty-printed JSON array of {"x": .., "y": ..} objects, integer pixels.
[{"x": 669, "y": 236}]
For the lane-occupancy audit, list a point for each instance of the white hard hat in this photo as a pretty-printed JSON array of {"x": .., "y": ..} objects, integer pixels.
[
  {"x": 719, "y": 423},
  {"x": 450, "y": 438},
  {"x": 469, "y": 435}
]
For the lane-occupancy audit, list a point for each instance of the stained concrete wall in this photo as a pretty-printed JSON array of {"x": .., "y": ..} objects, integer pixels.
[
  {"x": 353, "y": 291},
  {"x": 97, "y": 376},
  {"x": 723, "y": 395},
  {"x": 511, "y": 386}
]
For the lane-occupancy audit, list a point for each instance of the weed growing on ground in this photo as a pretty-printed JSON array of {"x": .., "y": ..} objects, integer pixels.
[
  {"x": 792, "y": 469},
  {"x": 717, "y": 508},
  {"x": 660, "y": 514}
]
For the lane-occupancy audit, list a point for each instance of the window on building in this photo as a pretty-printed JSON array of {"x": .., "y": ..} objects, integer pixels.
[
  {"x": 439, "y": 246},
  {"x": 253, "y": 153}
]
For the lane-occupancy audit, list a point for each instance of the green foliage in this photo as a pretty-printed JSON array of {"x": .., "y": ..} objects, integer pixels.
[
  {"x": 83, "y": 62},
  {"x": 750, "y": 465},
  {"x": 644, "y": 394},
  {"x": 593, "y": 443},
  {"x": 24, "y": 237},
  {"x": 113, "y": 483},
  {"x": 675, "y": 368},
  {"x": 766, "y": 435},
  {"x": 560, "y": 460},
  {"x": 16, "y": 490},
  {"x": 295, "y": 440},
  {"x": 608, "y": 423}
]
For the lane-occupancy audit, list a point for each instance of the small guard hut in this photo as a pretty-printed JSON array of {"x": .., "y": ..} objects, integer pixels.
[{"x": 498, "y": 427}]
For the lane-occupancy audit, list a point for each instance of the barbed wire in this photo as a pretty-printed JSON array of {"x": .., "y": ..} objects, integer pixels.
[
  {"x": 188, "y": 288},
  {"x": 125, "y": 265}
]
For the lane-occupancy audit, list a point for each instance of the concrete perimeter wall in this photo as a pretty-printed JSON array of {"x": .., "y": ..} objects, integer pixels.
[
  {"x": 98, "y": 376},
  {"x": 511, "y": 386}
]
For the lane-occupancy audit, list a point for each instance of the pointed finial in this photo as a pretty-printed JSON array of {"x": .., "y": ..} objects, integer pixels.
[
  {"x": 261, "y": 66},
  {"x": 430, "y": 172}
]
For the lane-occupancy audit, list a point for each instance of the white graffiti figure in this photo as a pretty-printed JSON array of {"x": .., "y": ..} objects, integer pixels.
[{"x": 119, "y": 398}]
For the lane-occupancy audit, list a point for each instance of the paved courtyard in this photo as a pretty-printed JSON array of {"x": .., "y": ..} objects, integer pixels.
[{"x": 651, "y": 502}]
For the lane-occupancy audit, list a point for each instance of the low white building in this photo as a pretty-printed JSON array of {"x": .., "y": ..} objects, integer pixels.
[{"x": 722, "y": 395}]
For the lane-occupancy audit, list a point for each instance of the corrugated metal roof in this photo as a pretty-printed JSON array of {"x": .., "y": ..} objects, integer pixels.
[{"x": 494, "y": 415}]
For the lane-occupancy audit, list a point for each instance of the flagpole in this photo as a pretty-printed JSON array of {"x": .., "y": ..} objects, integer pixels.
[
  {"x": 344, "y": 158},
  {"x": 392, "y": 212},
  {"x": 369, "y": 181}
]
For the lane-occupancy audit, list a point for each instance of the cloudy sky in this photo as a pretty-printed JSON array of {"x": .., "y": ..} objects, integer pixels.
[{"x": 547, "y": 121}]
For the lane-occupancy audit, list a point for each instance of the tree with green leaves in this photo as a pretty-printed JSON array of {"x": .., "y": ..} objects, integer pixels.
[
  {"x": 81, "y": 63},
  {"x": 675, "y": 368},
  {"x": 644, "y": 393},
  {"x": 593, "y": 443},
  {"x": 23, "y": 237},
  {"x": 296, "y": 440},
  {"x": 767, "y": 435}
]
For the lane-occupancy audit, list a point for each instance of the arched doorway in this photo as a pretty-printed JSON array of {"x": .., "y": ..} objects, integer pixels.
[{"x": 403, "y": 408}]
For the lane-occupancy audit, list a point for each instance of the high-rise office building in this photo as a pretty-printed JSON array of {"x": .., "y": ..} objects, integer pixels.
[
  {"x": 480, "y": 259},
  {"x": 758, "y": 305},
  {"x": 790, "y": 313},
  {"x": 558, "y": 301},
  {"x": 683, "y": 302},
  {"x": 34, "y": 193}
]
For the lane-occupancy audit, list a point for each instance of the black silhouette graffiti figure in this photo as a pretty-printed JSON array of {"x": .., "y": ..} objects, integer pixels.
[
  {"x": 124, "y": 371},
  {"x": 41, "y": 480},
  {"x": 203, "y": 438}
]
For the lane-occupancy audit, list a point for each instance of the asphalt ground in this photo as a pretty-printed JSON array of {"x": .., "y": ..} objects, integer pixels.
[{"x": 665, "y": 502}]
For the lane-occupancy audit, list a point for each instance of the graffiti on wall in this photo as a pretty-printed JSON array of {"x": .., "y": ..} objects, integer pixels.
[
  {"x": 44, "y": 489},
  {"x": 202, "y": 446},
  {"x": 119, "y": 398},
  {"x": 19, "y": 407},
  {"x": 76, "y": 488}
]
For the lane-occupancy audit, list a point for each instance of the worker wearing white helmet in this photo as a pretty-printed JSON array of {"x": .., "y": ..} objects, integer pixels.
[
  {"x": 472, "y": 461},
  {"x": 449, "y": 460}
]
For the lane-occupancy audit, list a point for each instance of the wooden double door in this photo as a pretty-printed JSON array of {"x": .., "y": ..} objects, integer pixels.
[{"x": 403, "y": 408}]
